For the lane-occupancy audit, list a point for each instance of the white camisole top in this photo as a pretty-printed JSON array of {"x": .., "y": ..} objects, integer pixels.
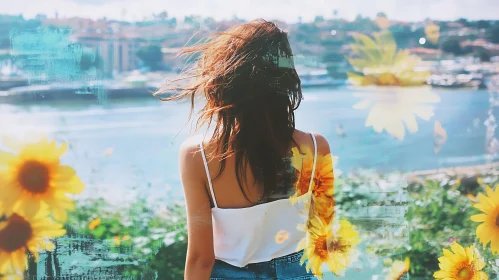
[{"x": 258, "y": 233}]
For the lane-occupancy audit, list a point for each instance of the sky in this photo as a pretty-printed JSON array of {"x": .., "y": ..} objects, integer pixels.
[{"x": 286, "y": 10}]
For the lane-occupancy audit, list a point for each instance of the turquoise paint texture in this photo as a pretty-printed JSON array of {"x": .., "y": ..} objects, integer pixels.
[
  {"x": 83, "y": 258},
  {"x": 48, "y": 56}
]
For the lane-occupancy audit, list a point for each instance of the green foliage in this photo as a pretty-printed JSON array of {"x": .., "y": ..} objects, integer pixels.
[
  {"x": 90, "y": 60},
  {"x": 493, "y": 33},
  {"x": 319, "y": 19},
  {"x": 157, "y": 239},
  {"x": 438, "y": 211},
  {"x": 151, "y": 56},
  {"x": 452, "y": 46},
  {"x": 439, "y": 214},
  {"x": 483, "y": 54},
  {"x": 355, "y": 188}
]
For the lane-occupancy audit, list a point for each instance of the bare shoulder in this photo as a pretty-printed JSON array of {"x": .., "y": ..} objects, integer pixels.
[
  {"x": 322, "y": 144},
  {"x": 191, "y": 144},
  {"x": 304, "y": 137},
  {"x": 190, "y": 158}
]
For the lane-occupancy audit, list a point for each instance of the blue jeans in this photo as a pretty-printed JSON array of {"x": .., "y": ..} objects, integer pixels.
[{"x": 287, "y": 267}]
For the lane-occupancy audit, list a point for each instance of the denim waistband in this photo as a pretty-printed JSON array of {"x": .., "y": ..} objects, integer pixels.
[{"x": 291, "y": 258}]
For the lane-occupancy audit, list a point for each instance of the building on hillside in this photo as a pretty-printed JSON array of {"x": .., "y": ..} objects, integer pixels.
[
  {"x": 113, "y": 42},
  {"x": 491, "y": 48},
  {"x": 426, "y": 54},
  {"x": 118, "y": 51}
]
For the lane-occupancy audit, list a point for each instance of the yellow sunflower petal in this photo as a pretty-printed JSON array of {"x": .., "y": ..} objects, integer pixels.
[
  {"x": 445, "y": 264},
  {"x": 494, "y": 243},
  {"x": 458, "y": 249},
  {"x": 19, "y": 260},
  {"x": 3, "y": 262},
  {"x": 302, "y": 245},
  {"x": 62, "y": 148},
  {"x": 7, "y": 158},
  {"x": 64, "y": 172},
  {"x": 482, "y": 276},
  {"x": 448, "y": 254},
  {"x": 60, "y": 214},
  {"x": 483, "y": 234},
  {"x": 316, "y": 269},
  {"x": 442, "y": 274},
  {"x": 482, "y": 207},
  {"x": 479, "y": 263},
  {"x": 489, "y": 191},
  {"x": 30, "y": 206},
  {"x": 487, "y": 203},
  {"x": 470, "y": 252},
  {"x": 52, "y": 233},
  {"x": 479, "y": 218},
  {"x": 13, "y": 144}
]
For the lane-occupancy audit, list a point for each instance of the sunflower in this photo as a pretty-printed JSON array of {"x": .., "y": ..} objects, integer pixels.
[
  {"x": 323, "y": 207},
  {"x": 323, "y": 245},
  {"x": 395, "y": 111},
  {"x": 432, "y": 32},
  {"x": 398, "y": 269},
  {"x": 324, "y": 177},
  {"x": 323, "y": 182},
  {"x": 488, "y": 231},
  {"x": 304, "y": 164},
  {"x": 35, "y": 176},
  {"x": 376, "y": 61},
  {"x": 21, "y": 233},
  {"x": 461, "y": 263}
]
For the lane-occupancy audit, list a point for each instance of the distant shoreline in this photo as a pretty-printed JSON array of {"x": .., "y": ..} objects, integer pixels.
[{"x": 469, "y": 170}]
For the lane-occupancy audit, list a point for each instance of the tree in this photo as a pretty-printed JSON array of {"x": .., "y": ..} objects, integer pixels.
[
  {"x": 319, "y": 19},
  {"x": 483, "y": 55},
  {"x": 482, "y": 24},
  {"x": 381, "y": 14},
  {"x": 463, "y": 21},
  {"x": 163, "y": 15},
  {"x": 90, "y": 60},
  {"x": 452, "y": 46},
  {"x": 493, "y": 33},
  {"x": 172, "y": 22},
  {"x": 151, "y": 56}
]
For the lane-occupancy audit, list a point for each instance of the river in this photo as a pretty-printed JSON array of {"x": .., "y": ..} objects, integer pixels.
[{"x": 132, "y": 144}]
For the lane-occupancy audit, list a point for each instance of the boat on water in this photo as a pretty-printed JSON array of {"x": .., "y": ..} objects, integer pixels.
[
  {"x": 8, "y": 82},
  {"x": 463, "y": 80},
  {"x": 493, "y": 82}
]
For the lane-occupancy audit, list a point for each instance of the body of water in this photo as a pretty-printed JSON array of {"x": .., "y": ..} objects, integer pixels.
[{"x": 133, "y": 144}]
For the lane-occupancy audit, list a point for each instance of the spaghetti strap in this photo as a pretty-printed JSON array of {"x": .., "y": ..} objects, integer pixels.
[
  {"x": 315, "y": 162},
  {"x": 208, "y": 174}
]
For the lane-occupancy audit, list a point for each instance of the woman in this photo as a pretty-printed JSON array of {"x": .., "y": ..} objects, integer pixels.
[{"x": 237, "y": 183}]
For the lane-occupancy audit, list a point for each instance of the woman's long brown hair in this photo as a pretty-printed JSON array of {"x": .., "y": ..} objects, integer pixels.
[{"x": 251, "y": 88}]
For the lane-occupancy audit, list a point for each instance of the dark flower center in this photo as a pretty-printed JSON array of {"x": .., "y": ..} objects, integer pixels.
[
  {"x": 321, "y": 247},
  {"x": 16, "y": 234},
  {"x": 34, "y": 177},
  {"x": 337, "y": 246}
]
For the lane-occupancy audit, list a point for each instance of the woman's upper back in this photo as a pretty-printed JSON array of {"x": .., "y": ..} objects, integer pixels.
[
  {"x": 226, "y": 190},
  {"x": 248, "y": 232}
]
